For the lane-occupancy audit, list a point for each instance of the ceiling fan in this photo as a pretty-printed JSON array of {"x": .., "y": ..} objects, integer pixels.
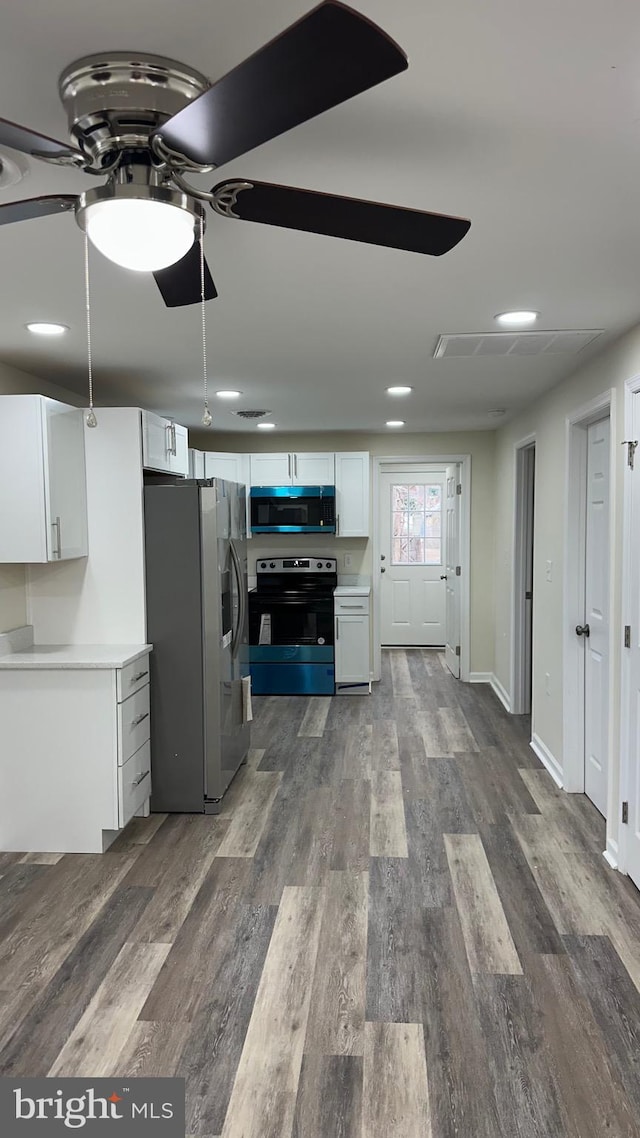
[{"x": 144, "y": 122}]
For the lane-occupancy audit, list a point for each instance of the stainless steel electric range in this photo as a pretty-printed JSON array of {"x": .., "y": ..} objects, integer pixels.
[{"x": 291, "y": 638}]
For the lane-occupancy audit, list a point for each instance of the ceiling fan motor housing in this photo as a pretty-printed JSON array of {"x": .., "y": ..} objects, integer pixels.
[{"x": 115, "y": 100}]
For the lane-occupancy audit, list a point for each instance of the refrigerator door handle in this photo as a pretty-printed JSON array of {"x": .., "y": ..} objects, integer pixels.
[{"x": 237, "y": 568}]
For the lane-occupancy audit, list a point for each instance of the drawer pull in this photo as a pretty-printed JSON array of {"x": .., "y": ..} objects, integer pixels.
[
  {"x": 139, "y": 719},
  {"x": 139, "y": 676},
  {"x": 343, "y": 606},
  {"x": 140, "y": 778}
]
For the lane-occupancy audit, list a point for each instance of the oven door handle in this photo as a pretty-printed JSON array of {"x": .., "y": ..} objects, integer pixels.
[{"x": 237, "y": 570}]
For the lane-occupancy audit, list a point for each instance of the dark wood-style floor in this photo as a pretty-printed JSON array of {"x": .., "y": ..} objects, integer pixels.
[{"x": 397, "y": 928}]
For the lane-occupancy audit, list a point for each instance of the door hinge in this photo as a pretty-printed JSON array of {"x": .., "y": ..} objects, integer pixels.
[
  {"x": 625, "y": 812},
  {"x": 458, "y": 570},
  {"x": 458, "y": 650},
  {"x": 627, "y": 635},
  {"x": 631, "y": 451},
  {"x": 459, "y": 488}
]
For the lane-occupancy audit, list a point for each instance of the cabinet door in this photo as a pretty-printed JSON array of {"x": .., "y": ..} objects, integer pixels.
[
  {"x": 179, "y": 449},
  {"x": 157, "y": 442},
  {"x": 196, "y": 464},
  {"x": 271, "y": 470},
  {"x": 65, "y": 481},
  {"x": 313, "y": 469},
  {"x": 222, "y": 464},
  {"x": 23, "y": 522},
  {"x": 352, "y": 494},
  {"x": 352, "y": 649}
]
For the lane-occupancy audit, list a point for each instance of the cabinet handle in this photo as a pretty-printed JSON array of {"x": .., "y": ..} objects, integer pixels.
[
  {"x": 337, "y": 628},
  {"x": 139, "y": 676},
  {"x": 57, "y": 552},
  {"x": 174, "y": 436},
  {"x": 140, "y": 778},
  {"x": 290, "y": 476},
  {"x": 139, "y": 719},
  {"x": 337, "y": 525},
  {"x": 295, "y": 466},
  {"x": 343, "y": 606}
]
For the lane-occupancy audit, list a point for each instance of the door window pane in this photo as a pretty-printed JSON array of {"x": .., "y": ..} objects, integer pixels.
[{"x": 416, "y": 524}]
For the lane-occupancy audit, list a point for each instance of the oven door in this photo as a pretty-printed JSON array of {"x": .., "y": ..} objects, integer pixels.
[
  {"x": 290, "y": 620},
  {"x": 293, "y": 509}
]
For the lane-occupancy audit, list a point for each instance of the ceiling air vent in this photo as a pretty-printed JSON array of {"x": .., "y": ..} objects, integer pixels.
[
  {"x": 466, "y": 344},
  {"x": 251, "y": 414}
]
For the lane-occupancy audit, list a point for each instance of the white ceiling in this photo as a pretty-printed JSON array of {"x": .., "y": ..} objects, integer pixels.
[{"x": 525, "y": 118}]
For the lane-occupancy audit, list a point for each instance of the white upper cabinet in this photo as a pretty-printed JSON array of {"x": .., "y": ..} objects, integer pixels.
[
  {"x": 223, "y": 464},
  {"x": 298, "y": 469},
  {"x": 43, "y": 504},
  {"x": 165, "y": 445},
  {"x": 352, "y": 494},
  {"x": 196, "y": 464}
]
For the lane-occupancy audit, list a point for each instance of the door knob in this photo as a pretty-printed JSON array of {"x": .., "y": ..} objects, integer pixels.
[
  {"x": 382, "y": 569},
  {"x": 583, "y": 629},
  {"x": 443, "y": 576}
]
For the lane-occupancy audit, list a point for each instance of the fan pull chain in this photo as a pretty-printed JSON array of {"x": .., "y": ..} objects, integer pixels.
[
  {"x": 91, "y": 420},
  {"x": 206, "y": 417}
]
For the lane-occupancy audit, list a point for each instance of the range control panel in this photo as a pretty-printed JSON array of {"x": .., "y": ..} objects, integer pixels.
[{"x": 298, "y": 565}]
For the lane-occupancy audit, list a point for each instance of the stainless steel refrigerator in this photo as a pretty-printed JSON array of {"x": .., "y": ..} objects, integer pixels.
[{"x": 197, "y": 621}]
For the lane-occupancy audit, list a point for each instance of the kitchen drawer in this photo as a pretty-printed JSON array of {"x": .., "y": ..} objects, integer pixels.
[
  {"x": 134, "y": 783},
  {"x": 133, "y": 724},
  {"x": 351, "y": 606},
  {"x": 135, "y": 675}
]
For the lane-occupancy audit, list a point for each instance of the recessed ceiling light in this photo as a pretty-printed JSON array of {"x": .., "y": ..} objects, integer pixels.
[
  {"x": 228, "y": 394},
  {"x": 517, "y": 319},
  {"x": 395, "y": 422},
  {"x": 42, "y": 328},
  {"x": 266, "y": 426},
  {"x": 399, "y": 390},
  {"x": 497, "y": 412}
]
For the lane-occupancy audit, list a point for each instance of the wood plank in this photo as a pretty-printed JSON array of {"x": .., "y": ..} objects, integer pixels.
[
  {"x": 329, "y": 1098},
  {"x": 175, "y": 869},
  {"x": 93, "y": 1047},
  {"x": 489, "y": 944},
  {"x": 297, "y": 845},
  {"x": 396, "y": 946},
  {"x": 438, "y": 780},
  {"x": 529, "y": 920},
  {"x": 429, "y": 865},
  {"x": 251, "y": 814},
  {"x": 264, "y": 1094},
  {"x": 138, "y": 832},
  {"x": 315, "y": 717},
  {"x": 457, "y": 735},
  {"x": 592, "y": 1100},
  {"x": 357, "y": 752},
  {"x": 400, "y": 675},
  {"x": 352, "y": 806},
  {"x": 395, "y": 1095},
  {"x": 41, "y": 858},
  {"x": 38, "y": 1039},
  {"x": 337, "y": 1009},
  {"x": 150, "y": 1050},
  {"x": 388, "y": 837},
  {"x": 432, "y": 729},
  {"x": 17, "y": 888},
  {"x": 385, "y": 753}
]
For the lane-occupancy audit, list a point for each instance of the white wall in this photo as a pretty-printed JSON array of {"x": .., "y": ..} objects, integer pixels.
[
  {"x": 547, "y": 420},
  {"x": 479, "y": 444},
  {"x": 13, "y": 612}
]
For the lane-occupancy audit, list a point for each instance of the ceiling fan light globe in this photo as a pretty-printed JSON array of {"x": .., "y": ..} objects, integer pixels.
[{"x": 140, "y": 234}]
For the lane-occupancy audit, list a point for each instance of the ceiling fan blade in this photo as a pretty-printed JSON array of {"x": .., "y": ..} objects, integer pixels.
[
  {"x": 180, "y": 283},
  {"x": 328, "y": 56},
  {"x": 356, "y": 220},
  {"x": 37, "y": 145},
  {"x": 29, "y": 208}
]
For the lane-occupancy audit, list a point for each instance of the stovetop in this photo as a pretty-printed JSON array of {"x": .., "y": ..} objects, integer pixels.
[{"x": 297, "y": 575}]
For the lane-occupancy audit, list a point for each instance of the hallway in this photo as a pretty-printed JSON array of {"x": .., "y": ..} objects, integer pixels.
[{"x": 398, "y": 927}]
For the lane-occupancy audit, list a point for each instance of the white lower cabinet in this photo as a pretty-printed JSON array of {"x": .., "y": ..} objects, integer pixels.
[
  {"x": 76, "y": 752},
  {"x": 352, "y": 645}
]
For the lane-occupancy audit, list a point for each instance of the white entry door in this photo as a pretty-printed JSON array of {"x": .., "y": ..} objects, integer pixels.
[
  {"x": 596, "y": 668},
  {"x": 412, "y": 566},
  {"x": 632, "y": 686},
  {"x": 453, "y": 571}
]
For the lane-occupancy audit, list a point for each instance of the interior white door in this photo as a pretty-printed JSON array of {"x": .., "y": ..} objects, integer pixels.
[
  {"x": 412, "y": 550},
  {"x": 453, "y": 572},
  {"x": 596, "y": 672},
  {"x": 632, "y": 709}
]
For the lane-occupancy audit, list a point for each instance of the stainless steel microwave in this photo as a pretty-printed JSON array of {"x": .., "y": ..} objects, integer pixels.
[{"x": 293, "y": 509}]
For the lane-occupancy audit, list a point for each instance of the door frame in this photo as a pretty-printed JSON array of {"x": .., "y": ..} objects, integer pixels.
[
  {"x": 573, "y": 598},
  {"x": 464, "y": 460},
  {"x": 518, "y": 637},
  {"x": 616, "y": 852}
]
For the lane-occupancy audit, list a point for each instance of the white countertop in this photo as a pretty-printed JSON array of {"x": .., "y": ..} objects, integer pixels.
[
  {"x": 352, "y": 591},
  {"x": 75, "y": 656}
]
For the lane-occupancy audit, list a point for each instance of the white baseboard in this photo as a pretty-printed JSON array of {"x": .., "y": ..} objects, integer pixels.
[
  {"x": 480, "y": 677},
  {"x": 547, "y": 759},
  {"x": 610, "y": 855},
  {"x": 501, "y": 692}
]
